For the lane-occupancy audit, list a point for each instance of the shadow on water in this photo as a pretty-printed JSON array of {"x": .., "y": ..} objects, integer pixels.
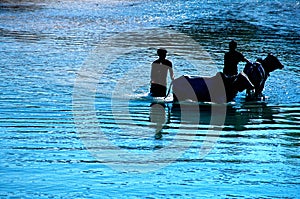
[
  {"x": 159, "y": 117},
  {"x": 20, "y": 5},
  {"x": 248, "y": 114},
  {"x": 254, "y": 37},
  {"x": 245, "y": 116},
  {"x": 22, "y": 36},
  {"x": 15, "y": 7}
]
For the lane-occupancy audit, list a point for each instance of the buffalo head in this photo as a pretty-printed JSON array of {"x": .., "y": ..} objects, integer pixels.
[{"x": 271, "y": 63}]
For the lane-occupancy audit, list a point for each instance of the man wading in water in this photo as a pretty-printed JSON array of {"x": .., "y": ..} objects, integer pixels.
[
  {"x": 231, "y": 59},
  {"x": 159, "y": 73}
]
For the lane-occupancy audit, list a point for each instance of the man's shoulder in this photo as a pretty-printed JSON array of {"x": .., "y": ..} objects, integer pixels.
[
  {"x": 232, "y": 53},
  {"x": 239, "y": 54},
  {"x": 168, "y": 62},
  {"x": 156, "y": 61},
  {"x": 164, "y": 62}
]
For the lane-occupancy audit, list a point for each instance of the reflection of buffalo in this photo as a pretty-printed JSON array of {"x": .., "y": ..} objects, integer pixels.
[
  {"x": 236, "y": 118},
  {"x": 219, "y": 88},
  {"x": 258, "y": 72}
]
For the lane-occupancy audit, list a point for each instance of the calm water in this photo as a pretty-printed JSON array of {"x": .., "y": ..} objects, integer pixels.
[{"x": 75, "y": 120}]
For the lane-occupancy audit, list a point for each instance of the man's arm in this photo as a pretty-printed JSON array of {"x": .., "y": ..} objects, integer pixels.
[
  {"x": 244, "y": 59},
  {"x": 172, "y": 74}
]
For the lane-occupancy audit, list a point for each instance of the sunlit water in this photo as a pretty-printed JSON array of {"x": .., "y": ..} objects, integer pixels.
[{"x": 75, "y": 124}]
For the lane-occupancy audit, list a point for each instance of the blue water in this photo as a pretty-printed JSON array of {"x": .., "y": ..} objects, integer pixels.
[{"x": 76, "y": 122}]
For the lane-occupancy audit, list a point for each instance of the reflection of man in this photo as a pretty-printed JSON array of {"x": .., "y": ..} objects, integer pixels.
[
  {"x": 231, "y": 59},
  {"x": 158, "y": 117},
  {"x": 159, "y": 72}
]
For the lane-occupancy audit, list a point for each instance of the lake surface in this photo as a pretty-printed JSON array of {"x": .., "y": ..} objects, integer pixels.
[{"x": 76, "y": 122}]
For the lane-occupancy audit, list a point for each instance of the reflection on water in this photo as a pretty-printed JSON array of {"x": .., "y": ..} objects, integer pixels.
[
  {"x": 159, "y": 117},
  {"x": 198, "y": 151}
]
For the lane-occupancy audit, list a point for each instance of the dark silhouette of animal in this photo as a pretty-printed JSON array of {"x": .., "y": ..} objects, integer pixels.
[
  {"x": 219, "y": 88},
  {"x": 259, "y": 71}
]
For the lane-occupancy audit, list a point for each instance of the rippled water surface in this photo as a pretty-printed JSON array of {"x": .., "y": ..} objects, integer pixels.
[{"x": 76, "y": 122}]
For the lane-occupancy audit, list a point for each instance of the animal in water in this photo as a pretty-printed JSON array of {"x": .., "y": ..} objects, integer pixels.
[
  {"x": 218, "y": 89},
  {"x": 258, "y": 73}
]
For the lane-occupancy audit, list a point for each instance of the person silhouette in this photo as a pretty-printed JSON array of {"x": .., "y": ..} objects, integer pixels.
[
  {"x": 232, "y": 58},
  {"x": 159, "y": 73}
]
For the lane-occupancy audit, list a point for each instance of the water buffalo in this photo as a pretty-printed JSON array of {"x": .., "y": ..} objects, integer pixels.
[
  {"x": 219, "y": 88},
  {"x": 259, "y": 71}
]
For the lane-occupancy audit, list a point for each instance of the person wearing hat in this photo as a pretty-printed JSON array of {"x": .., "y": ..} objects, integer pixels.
[
  {"x": 232, "y": 58},
  {"x": 159, "y": 73}
]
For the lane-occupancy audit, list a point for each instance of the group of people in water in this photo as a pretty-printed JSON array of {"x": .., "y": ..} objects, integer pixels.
[{"x": 162, "y": 66}]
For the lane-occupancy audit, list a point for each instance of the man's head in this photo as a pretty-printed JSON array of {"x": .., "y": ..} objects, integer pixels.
[
  {"x": 232, "y": 45},
  {"x": 162, "y": 53}
]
